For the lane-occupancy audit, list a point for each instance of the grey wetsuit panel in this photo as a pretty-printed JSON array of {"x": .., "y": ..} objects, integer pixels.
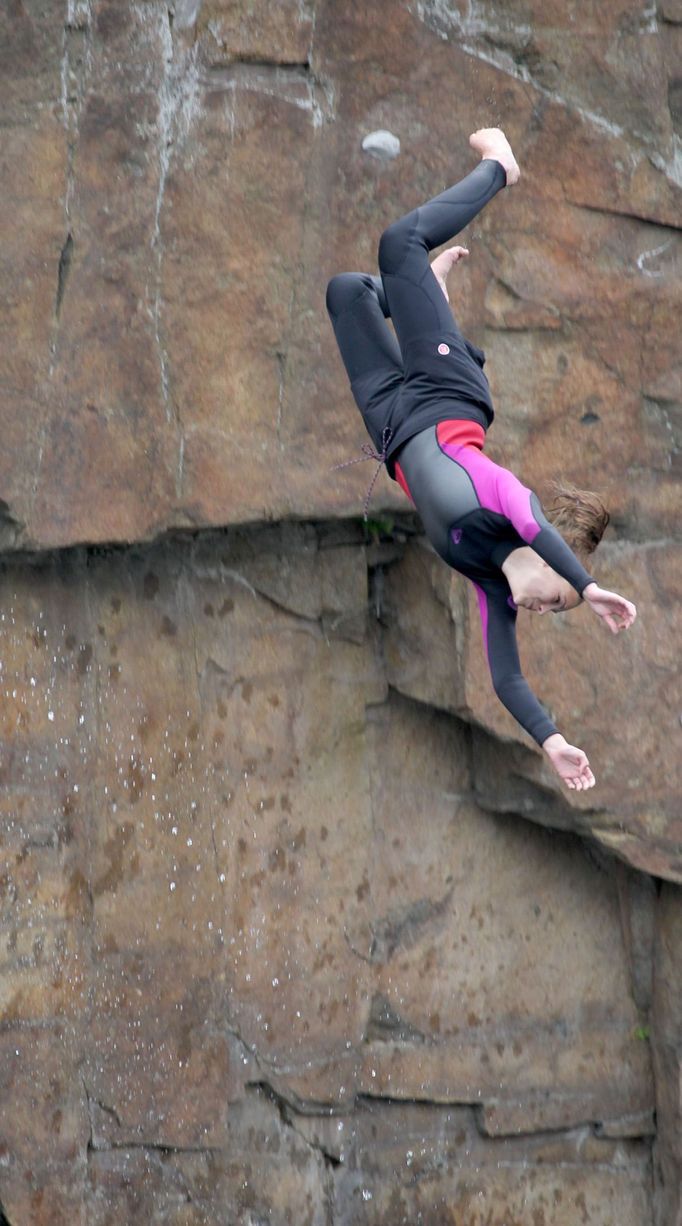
[{"x": 441, "y": 489}]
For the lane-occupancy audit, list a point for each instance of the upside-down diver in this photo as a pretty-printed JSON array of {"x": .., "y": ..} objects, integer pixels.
[{"x": 426, "y": 404}]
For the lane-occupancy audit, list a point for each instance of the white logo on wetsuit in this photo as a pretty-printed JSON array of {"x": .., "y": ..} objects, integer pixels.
[{"x": 442, "y": 348}]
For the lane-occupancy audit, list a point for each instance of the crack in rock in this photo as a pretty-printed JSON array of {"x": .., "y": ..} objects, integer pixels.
[
  {"x": 63, "y": 271},
  {"x": 404, "y": 927}
]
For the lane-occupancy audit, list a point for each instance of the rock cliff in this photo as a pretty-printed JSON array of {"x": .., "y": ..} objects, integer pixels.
[{"x": 297, "y": 926}]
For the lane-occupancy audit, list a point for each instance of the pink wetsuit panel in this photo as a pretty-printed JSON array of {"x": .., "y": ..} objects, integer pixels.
[{"x": 497, "y": 489}]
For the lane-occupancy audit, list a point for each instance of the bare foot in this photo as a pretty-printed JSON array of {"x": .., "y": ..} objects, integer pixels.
[
  {"x": 492, "y": 143},
  {"x": 444, "y": 263}
]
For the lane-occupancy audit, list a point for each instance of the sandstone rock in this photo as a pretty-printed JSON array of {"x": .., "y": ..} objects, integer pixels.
[
  {"x": 264, "y": 870},
  {"x": 258, "y": 899},
  {"x": 198, "y": 269}
]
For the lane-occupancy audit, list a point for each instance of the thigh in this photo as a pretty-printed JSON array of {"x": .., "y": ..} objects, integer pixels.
[{"x": 369, "y": 349}]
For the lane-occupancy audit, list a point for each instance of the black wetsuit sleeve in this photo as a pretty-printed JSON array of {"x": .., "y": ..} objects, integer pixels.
[
  {"x": 552, "y": 548},
  {"x": 511, "y": 687},
  {"x": 381, "y": 295},
  {"x": 522, "y": 507}
]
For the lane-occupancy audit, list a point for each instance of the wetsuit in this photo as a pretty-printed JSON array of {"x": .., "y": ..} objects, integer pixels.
[{"x": 426, "y": 404}]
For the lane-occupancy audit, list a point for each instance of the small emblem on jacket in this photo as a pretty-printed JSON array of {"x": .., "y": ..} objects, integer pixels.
[
  {"x": 442, "y": 348},
  {"x": 456, "y": 535}
]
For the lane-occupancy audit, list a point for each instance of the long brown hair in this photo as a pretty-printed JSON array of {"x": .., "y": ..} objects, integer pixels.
[{"x": 579, "y": 515}]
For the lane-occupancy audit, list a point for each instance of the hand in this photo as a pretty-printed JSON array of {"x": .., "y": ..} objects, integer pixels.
[
  {"x": 569, "y": 762},
  {"x": 444, "y": 262},
  {"x": 615, "y": 610}
]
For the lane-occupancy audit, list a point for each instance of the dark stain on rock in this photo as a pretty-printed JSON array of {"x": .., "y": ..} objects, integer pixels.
[
  {"x": 285, "y": 803},
  {"x": 247, "y": 689},
  {"x": 222, "y": 709},
  {"x": 116, "y": 603},
  {"x": 241, "y": 846},
  {"x": 113, "y": 650},
  {"x": 582, "y": 1206},
  {"x": 193, "y": 731},
  {"x": 298, "y": 840},
  {"x": 226, "y": 607},
  {"x": 135, "y": 778},
  {"x": 84, "y": 658},
  {"x": 150, "y": 585},
  {"x": 185, "y": 1042},
  {"x": 276, "y": 859},
  {"x": 273, "y": 699},
  {"x": 114, "y": 849},
  {"x": 70, "y": 642},
  {"x": 114, "y": 672},
  {"x": 363, "y": 889},
  {"x": 78, "y": 899},
  {"x": 267, "y": 803},
  {"x": 324, "y": 833},
  {"x": 168, "y": 626},
  {"x": 65, "y": 834},
  {"x": 208, "y": 609}
]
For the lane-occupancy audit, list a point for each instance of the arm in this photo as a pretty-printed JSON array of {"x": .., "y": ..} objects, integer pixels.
[
  {"x": 522, "y": 507},
  {"x": 499, "y": 635},
  {"x": 498, "y": 620}
]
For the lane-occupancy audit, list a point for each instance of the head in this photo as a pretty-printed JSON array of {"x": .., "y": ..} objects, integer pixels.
[{"x": 581, "y": 518}]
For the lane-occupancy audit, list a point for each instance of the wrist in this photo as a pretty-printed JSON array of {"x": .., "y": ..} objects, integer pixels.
[
  {"x": 555, "y": 741},
  {"x": 591, "y": 589}
]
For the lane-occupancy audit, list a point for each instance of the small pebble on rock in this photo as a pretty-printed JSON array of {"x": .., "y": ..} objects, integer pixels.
[{"x": 382, "y": 144}]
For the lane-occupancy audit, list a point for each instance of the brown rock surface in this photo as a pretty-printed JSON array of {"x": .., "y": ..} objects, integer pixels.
[
  {"x": 192, "y": 174},
  {"x": 277, "y": 944},
  {"x": 251, "y": 905}
]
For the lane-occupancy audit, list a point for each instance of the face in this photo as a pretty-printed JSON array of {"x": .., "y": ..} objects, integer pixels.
[{"x": 547, "y": 592}]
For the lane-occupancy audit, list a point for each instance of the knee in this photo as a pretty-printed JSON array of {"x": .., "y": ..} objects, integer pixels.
[
  {"x": 343, "y": 289},
  {"x": 393, "y": 246}
]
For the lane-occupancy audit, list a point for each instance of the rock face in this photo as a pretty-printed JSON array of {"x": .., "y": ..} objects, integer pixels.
[
  {"x": 265, "y": 951},
  {"x": 279, "y": 944}
]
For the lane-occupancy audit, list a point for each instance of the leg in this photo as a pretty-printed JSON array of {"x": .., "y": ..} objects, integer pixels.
[
  {"x": 370, "y": 352},
  {"x": 416, "y": 302}
]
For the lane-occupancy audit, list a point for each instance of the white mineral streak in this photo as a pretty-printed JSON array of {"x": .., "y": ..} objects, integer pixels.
[
  {"x": 440, "y": 17},
  {"x": 179, "y": 103},
  {"x": 382, "y": 144},
  {"x": 186, "y": 13},
  {"x": 671, "y": 167},
  {"x": 646, "y": 256}
]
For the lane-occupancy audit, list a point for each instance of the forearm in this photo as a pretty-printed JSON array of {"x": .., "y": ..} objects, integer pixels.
[
  {"x": 516, "y": 695},
  {"x": 509, "y": 683},
  {"x": 552, "y": 548}
]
